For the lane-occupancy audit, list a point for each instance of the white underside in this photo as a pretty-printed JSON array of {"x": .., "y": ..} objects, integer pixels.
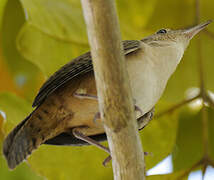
[{"x": 149, "y": 72}]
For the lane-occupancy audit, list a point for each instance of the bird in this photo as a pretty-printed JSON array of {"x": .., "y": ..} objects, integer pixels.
[{"x": 66, "y": 106}]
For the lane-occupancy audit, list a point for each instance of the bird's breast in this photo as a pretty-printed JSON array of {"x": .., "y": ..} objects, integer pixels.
[{"x": 148, "y": 80}]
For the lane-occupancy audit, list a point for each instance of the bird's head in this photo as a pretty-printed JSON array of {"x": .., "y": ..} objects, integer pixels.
[{"x": 165, "y": 37}]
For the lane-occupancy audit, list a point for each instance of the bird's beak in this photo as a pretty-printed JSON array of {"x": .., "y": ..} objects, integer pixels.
[{"x": 191, "y": 32}]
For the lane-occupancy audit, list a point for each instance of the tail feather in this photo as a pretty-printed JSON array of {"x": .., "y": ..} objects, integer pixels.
[
  {"x": 16, "y": 145},
  {"x": 20, "y": 148},
  {"x": 30, "y": 133}
]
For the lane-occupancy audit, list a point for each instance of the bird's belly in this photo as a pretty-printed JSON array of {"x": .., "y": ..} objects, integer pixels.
[{"x": 146, "y": 86}]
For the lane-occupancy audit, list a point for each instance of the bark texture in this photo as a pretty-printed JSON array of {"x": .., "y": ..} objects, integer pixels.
[{"x": 114, "y": 92}]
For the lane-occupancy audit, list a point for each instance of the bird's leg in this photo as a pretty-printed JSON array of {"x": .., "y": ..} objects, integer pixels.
[
  {"x": 93, "y": 97},
  {"x": 83, "y": 133},
  {"x": 79, "y": 133},
  {"x": 107, "y": 160}
]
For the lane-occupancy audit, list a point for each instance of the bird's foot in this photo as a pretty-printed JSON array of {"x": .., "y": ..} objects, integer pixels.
[
  {"x": 79, "y": 135},
  {"x": 108, "y": 159}
]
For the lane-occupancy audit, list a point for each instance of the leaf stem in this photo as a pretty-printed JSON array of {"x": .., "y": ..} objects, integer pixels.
[
  {"x": 186, "y": 173},
  {"x": 176, "y": 106},
  {"x": 205, "y": 136},
  {"x": 203, "y": 92}
]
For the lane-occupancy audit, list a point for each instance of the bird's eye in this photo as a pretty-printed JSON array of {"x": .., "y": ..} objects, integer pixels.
[{"x": 162, "y": 31}]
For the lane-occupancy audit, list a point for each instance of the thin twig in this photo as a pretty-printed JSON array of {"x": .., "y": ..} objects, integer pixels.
[
  {"x": 205, "y": 130},
  {"x": 201, "y": 69},
  {"x": 203, "y": 92},
  {"x": 204, "y": 168},
  {"x": 211, "y": 163},
  {"x": 186, "y": 173},
  {"x": 173, "y": 108},
  {"x": 197, "y": 11},
  {"x": 200, "y": 62}
]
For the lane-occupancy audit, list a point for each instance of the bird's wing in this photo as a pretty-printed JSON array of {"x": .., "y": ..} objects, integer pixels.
[{"x": 76, "y": 67}]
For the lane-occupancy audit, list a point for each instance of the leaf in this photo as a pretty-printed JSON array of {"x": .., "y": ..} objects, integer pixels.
[
  {"x": 47, "y": 53},
  {"x": 207, "y": 54},
  {"x": 15, "y": 109},
  {"x": 189, "y": 146},
  {"x": 5, "y": 77},
  {"x": 158, "y": 137},
  {"x": 58, "y": 19},
  {"x": 1, "y": 127},
  {"x": 70, "y": 163},
  {"x": 2, "y": 7},
  {"x": 24, "y": 73},
  {"x": 22, "y": 172},
  {"x": 132, "y": 20},
  {"x": 210, "y": 116}
]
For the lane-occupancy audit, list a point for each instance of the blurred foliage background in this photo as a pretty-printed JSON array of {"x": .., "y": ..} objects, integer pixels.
[{"x": 39, "y": 36}]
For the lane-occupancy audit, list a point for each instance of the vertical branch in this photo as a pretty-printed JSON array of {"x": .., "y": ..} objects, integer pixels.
[
  {"x": 197, "y": 11},
  {"x": 201, "y": 73},
  {"x": 205, "y": 136},
  {"x": 114, "y": 93}
]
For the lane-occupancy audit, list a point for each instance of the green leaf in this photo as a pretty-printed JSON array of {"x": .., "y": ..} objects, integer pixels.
[
  {"x": 24, "y": 72},
  {"x": 132, "y": 20},
  {"x": 159, "y": 137},
  {"x": 22, "y": 172},
  {"x": 70, "y": 163},
  {"x": 186, "y": 76},
  {"x": 2, "y": 7},
  {"x": 47, "y": 53},
  {"x": 207, "y": 53},
  {"x": 210, "y": 116},
  {"x": 189, "y": 146},
  {"x": 58, "y": 19},
  {"x": 15, "y": 109},
  {"x": 162, "y": 17}
]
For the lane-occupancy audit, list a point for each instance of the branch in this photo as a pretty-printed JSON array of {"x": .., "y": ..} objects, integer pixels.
[
  {"x": 114, "y": 93},
  {"x": 186, "y": 173},
  {"x": 176, "y": 106}
]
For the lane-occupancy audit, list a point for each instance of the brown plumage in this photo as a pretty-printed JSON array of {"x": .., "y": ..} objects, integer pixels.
[{"x": 58, "y": 111}]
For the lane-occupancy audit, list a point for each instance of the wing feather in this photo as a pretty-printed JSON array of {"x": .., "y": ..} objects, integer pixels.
[{"x": 76, "y": 67}]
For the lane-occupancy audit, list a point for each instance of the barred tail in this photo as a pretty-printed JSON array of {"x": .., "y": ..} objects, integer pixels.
[
  {"x": 41, "y": 125},
  {"x": 18, "y": 144}
]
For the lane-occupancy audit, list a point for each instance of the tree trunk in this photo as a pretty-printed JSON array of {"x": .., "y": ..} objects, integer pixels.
[{"x": 114, "y": 92}]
